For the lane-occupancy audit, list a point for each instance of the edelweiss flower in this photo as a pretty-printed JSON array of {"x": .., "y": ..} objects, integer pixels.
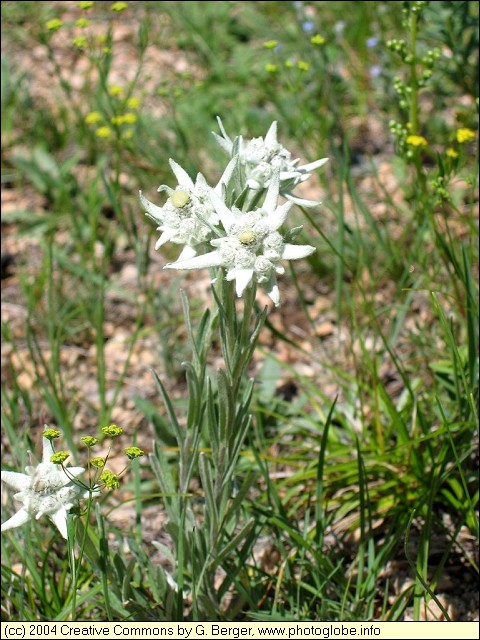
[
  {"x": 188, "y": 215},
  {"x": 44, "y": 490},
  {"x": 262, "y": 157},
  {"x": 252, "y": 246}
]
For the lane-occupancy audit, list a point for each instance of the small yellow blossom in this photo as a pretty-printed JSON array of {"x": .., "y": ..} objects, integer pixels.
[
  {"x": 104, "y": 132},
  {"x": 119, "y": 6},
  {"x": 112, "y": 430},
  {"x": 51, "y": 434},
  {"x": 106, "y": 50},
  {"x": 82, "y": 23},
  {"x": 317, "y": 39},
  {"x": 98, "y": 463},
  {"x": 288, "y": 64},
  {"x": 93, "y": 117},
  {"x": 303, "y": 66},
  {"x": 59, "y": 457},
  {"x": 133, "y": 102},
  {"x": 110, "y": 479},
  {"x": 54, "y": 25},
  {"x": 117, "y": 120},
  {"x": 115, "y": 90},
  {"x": 451, "y": 153},
  {"x": 270, "y": 44},
  {"x": 80, "y": 42},
  {"x": 89, "y": 441},
  {"x": 465, "y": 135},
  {"x": 271, "y": 68},
  {"x": 130, "y": 118},
  {"x": 85, "y": 5},
  {"x": 416, "y": 141},
  {"x": 134, "y": 452}
]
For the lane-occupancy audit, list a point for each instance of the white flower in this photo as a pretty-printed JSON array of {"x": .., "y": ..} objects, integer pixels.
[
  {"x": 44, "y": 490},
  {"x": 262, "y": 157},
  {"x": 252, "y": 246},
  {"x": 188, "y": 216}
]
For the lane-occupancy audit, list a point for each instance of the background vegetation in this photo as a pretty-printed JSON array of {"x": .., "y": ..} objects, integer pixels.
[{"x": 363, "y": 447}]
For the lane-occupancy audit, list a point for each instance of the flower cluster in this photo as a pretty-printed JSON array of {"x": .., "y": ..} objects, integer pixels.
[
  {"x": 52, "y": 489},
  {"x": 246, "y": 238}
]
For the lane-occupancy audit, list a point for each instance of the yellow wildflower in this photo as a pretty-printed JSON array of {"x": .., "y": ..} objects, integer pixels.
[
  {"x": 54, "y": 25},
  {"x": 104, "y": 132},
  {"x": 80, "y": 42},
  {"x": 93, "y": 117},
  {"x": 271, "y": 68},
  {"x": 270, "y": 44},
  {"x": 85, "y": 5},
  {"x": 451, "y": 153},
  {"x": 133, "y": 103},
  {"x": 115, "y": 90},
  {"x": 117, "y": 120},
  {"x": 303, "y": 66},
  {"x": 130, "y": 118},
  {"x": 82, "y": 23},
  {"x": 416, "y": 141},
  {"x": 119, "y": 6},
  {"x": 465, "y": 135},
  {"x": 317, "y": 39}
]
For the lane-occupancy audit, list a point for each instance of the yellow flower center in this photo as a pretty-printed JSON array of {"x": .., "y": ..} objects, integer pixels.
[
  {"x": 247, "y": 237},
  {"x": 180, "y": 198}
]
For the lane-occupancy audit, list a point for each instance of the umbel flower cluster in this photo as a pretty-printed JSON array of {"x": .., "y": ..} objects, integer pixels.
[{"x": 239, "y": 220}]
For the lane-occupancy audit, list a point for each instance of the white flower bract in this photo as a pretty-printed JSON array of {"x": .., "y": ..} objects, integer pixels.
[
  {"x": 262, "y": 157},
  {"x": 252, "y": 247},
  {"x": 44, "y": 490},
  {"x": 188, "y": 216}
]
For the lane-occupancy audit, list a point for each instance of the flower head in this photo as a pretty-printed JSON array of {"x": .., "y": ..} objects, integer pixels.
[
  {"x": 416, "y": 141},
  {"x": 188, "y": 216},
  {"x": 134, "y": 452},
  {"x": 465, "y": 135},
  {"x": 44, "y": 490},
  {"x": 261, "y": 157},
  {"x": 252, "y": 247}
]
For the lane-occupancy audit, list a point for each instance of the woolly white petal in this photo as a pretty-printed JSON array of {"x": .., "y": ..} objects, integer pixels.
[
  {"x": 203, "y": 261},
  {"x": 226, "y": 216},
  {"x": 59, "y": 519},
  {"x": 167, "y": 235},
  {"x": 48, "y": 451},
  {"x": 277, "y": 218},
  {"x": 21, "y": 517},
  {"x": 225, "y": 144},
  {"x": 181, "y": 175},
  {"x": 187, "y": 253},
  {"x": 301, "y": 201},
  {"x": 152, "y": 210},
  {"x": 311, "y": 166},
  {"x": 271, "y": 137},
  {"x": 227, "y": 174},
  {"x": 274, "y": 293},
  {"x": 242, "y": 278},
  {"x": 271, "y": 198},
  {"x": 296, "y": 251},
  {"x": 16, "y": 481}
]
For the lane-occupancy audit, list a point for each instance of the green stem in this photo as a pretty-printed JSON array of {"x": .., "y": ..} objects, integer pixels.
[{"x": 413, "y": 75}]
